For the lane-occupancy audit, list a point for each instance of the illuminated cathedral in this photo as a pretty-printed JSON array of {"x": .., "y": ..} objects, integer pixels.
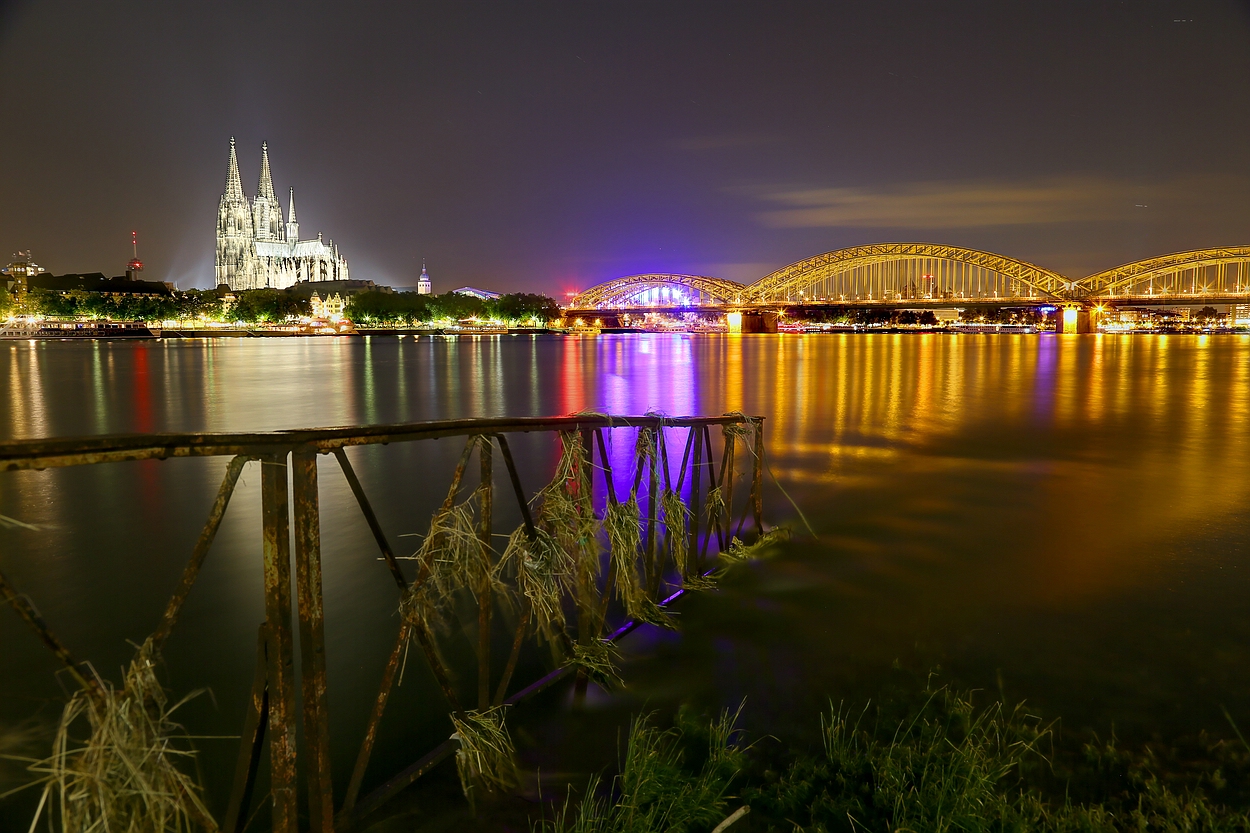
[{"x": 256, "y": 249}]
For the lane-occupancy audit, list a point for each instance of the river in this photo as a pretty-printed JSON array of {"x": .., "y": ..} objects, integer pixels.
[{"x": 1057, "y": 518}]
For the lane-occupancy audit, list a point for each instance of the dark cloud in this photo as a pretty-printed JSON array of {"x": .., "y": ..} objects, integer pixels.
[{"x": 936, "y": 206}]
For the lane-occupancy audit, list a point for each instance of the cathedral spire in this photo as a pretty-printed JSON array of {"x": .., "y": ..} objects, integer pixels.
[
  {"x": 234, "y": 185},
  {"x": 292, "y": 225},
  {"x": 265, "y": 188}
]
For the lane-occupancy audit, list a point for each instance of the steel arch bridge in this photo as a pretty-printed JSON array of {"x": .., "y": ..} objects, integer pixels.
[
  {"x": 931, "y": 274},
  {"x": 660, "y": 290},
  {"x": 1201, "y": 274},
  {"x": 901, "y": 271}
]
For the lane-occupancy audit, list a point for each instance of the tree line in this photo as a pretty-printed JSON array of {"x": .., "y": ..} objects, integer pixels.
[
  {"x": 261, "y": 306},
  {"x": 408, "y": 308}
]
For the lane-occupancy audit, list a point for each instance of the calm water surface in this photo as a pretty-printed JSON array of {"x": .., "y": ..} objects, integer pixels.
[{"x": 1061, "y": 518}]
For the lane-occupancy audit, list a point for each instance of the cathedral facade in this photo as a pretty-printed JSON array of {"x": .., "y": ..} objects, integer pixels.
[{"x": 256, "y": 249}]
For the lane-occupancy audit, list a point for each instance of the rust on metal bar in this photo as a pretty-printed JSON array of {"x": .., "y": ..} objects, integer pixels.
[
  {"x": 370, "y": 518},
  {"x": 527, "y": 517},
  {"x": 207, "y": 534},
  {"x": 757, "y": 477},
  {"x": 607, "y": 466},
  {"x": 375, "y": 719},
  {"x": 426, "y": 640},
  {"x": 650, "y": 568},
  {"x": 693, "y": 549},
  {"x": 458, "y": 475},
  {"x": 663, "y": 444},
  {"x": 727, "y": 477},
  {"x": 313, "y": 690},
  {"x": 281, "y": 672},
  {"x": 517, "y": 641},
  {"x": 81, "y": 673},
  {"x": 251, "y": 744},
  {"x": 485, "y": 599},
  {"x": 385, "y": 792},
  {"x": 711, "y": 485}
]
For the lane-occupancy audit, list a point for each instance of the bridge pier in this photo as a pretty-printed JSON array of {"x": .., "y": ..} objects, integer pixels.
[
  {"x": 751, "y": 321},
  {"x": 1076, "y": 319}
]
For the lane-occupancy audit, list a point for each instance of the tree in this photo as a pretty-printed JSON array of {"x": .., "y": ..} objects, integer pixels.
[
  {"x": 268, "y": 305},
  {"x": 523, "y": 306},
  {"x": 454, "y": 307},
  {"x": 928, "y": 319},
  {"x": 1207, "y": 314}
]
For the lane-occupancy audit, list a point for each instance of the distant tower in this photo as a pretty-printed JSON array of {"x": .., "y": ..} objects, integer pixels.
[
  {"x": 235, "y": 262},
  {"x": 292, "y": 225},
  {"x": 424, "y": 287},
  {"x": 135, "y": 266},
  {"x": 266, "y": 212}
]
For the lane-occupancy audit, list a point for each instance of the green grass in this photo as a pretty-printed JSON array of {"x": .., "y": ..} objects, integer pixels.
[{"x": 946, "y": 764}]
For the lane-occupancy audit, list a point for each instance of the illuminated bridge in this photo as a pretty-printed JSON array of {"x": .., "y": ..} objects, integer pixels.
[{"x": 920, "y": 275}]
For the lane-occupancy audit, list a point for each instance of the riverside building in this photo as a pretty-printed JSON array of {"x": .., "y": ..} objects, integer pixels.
[{"x": 256, "y": 249}]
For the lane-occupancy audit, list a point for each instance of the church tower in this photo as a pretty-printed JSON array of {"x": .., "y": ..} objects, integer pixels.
[
  {"x": 292, "y": 225},
  {"x": 424, "y": 285},
  {"x": 266, "y": 212},
  {"x": 234, "y": 261}
]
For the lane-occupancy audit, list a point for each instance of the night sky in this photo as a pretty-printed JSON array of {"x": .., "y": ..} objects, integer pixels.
[{"x": 546, "y": 146}]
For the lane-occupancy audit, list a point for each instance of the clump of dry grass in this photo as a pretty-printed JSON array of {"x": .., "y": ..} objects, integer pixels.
[
  {"x": 125, "y": 777},
  {"x": 486, "y": 760},
  {"x": 541, "y": 570},
  {"x": 621, "y": 522},
  {"x": 566, "y": 513},
  {"x": 676, "y": 525},
  {"x": 598, "y": 659},
  {"x": 739, "y": 552}
]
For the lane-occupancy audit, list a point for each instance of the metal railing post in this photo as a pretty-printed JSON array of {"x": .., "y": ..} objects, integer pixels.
[
  {"x": 281, "y": 671},
  {"x": 306, "y": 518}
]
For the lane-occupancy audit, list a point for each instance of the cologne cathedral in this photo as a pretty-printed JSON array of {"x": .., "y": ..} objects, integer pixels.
[{"x": 256, "y": 250}]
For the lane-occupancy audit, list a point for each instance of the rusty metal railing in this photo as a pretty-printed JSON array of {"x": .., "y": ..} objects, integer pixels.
[{"x": 289, "y": 458}]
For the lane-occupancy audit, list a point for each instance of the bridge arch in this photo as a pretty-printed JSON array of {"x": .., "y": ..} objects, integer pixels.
[
  {"x": 1219, "y": 271},
  {"x": 901, "y": 271},
  {"x": 659, "y": 289}
]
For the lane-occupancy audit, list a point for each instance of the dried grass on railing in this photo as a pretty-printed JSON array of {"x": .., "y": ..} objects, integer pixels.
[
  {"x": 486, "y": 760},
  {"x": 125, "y": 778},
  {"x": 598, "y": 658},
  {"x": 676, "y": 527},
  {"x": 540, "y": 570},
  {"x": 553, "y": 566}
]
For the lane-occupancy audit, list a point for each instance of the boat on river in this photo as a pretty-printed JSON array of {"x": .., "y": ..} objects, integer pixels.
[{"x": 14, "y": 330}]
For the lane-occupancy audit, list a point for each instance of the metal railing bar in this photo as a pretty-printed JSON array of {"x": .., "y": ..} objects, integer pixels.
[
  {"x": 251, "y": 743},
  {"x": 192, "y": 571},
  {"x": 485, "y": 595},
  {"x": 371, "y": 518},
  {"x": 526, "y": 516},
  {"x": 78, "y": 451},
  {"x": 375, "y": 718},
  {"x": 81, "y": 673}
]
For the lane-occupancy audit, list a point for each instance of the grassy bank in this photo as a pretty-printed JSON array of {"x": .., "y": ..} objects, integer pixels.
[{"x": 947, "y": 762}]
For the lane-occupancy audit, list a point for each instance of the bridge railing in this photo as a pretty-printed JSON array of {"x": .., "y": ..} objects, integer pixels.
[{"x": 654, "y": 524}]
